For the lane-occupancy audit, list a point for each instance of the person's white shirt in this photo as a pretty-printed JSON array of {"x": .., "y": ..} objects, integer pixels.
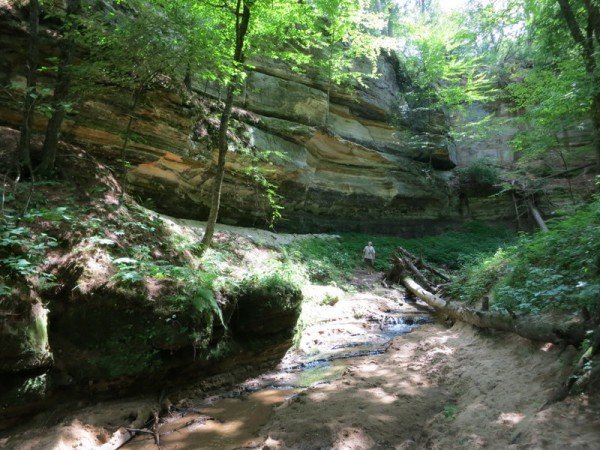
[{"x": 369, "y": 251}]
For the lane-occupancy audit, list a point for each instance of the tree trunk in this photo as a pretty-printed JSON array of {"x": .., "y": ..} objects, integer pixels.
[
  {"x": 589, "y": 49},
  {"x": 220, "y": 171},
  {"x": 517, "y": 213},
  {"x": 61, "y": 91},
  {"x": 30, "y": 93},
  {"x": 537, "y": 216},
  {"x": 137, "y": 96},
  {"x": 596, "y": 124},
  {"x": 241, "y": 28},
  {"x": 534, "y": 328}
]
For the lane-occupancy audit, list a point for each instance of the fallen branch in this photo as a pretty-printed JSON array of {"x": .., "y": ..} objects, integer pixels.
[
  {"x": 197, "y": 421},
  {"x": 124, "y": 434},
  {"x": 119, "y": 438},
  {"x": 564, "y": 172},
  {"x": 423, "y": 264},
  {"x": 139, "y": 431}
]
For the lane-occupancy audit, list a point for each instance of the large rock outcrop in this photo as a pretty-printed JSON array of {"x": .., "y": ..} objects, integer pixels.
[{"x": 360, "y": 160}]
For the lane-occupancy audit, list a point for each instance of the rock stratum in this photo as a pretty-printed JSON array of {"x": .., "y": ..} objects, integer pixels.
[{"x": 361, "y": 160}]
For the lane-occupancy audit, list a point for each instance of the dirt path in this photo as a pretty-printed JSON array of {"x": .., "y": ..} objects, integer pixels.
[{"x": 435, "y": 388}]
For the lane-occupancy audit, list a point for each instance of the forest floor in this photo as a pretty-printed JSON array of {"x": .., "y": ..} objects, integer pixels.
[{"x": 433, "y": 388}]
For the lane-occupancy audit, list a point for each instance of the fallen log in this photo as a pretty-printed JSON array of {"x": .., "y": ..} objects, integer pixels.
[
  {"x": 423, "y": 264},
  {"x": 530, "y": 327},
  {"x": 537, "y": 328},
  {"x": 406, "y": 264},
  {"x": 537, "y": 216},
  {"x": 585, "y": 373}
]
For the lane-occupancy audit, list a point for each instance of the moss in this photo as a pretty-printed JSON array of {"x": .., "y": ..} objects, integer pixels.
[
  {"x": 127, "y": 336},
  {"x": 266, "y": 304},
  {"x": 37, "y": 332}
]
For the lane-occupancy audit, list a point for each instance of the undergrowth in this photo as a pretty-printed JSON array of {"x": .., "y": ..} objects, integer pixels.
[
  {"x": 335, "y": 260},
  {"x": 557, "y": 270}
]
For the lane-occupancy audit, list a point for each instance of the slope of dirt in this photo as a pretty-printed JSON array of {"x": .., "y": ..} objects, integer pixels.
[{"x": 440, "y": 388}]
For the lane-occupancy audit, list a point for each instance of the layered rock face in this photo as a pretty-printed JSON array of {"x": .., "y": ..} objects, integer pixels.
[
  {"x": 352, "y": 162},
  {"x": 361, "y": 160}
]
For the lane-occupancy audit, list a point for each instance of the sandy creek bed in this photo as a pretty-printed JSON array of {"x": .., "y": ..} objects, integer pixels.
[{"x": 357, "y": 382}]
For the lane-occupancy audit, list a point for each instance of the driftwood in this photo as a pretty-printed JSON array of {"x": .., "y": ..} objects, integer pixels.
[
  {"x": 155, "y": 428},
  {"x": 532, "y": 327}
]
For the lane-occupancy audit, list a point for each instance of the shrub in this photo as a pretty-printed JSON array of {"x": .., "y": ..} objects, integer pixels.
[
  {"x": 479, "y": 172},
  {"x": 557, "y": 270},
  {"x": 273, "y": 290},
  {"x": 477, "y": 278}
]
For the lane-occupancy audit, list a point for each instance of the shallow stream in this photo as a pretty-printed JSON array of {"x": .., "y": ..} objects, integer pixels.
[{"x": 233, "y": 419}]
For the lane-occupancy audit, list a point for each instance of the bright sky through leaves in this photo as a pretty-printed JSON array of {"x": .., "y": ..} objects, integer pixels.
[{"x": 451, "y": 5}]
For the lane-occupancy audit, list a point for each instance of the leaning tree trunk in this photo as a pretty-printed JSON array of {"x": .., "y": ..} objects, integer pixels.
[
  {"x": 242, "y": 22},
  {"x": 537, "y": 216},
  {"x": 61, "y": 91},
  {"x": 30, "y": 93},
  {"x": 588, "y": 45},
  {"x": 220, "y": 171},
  {"x": 137, "y": 96}
]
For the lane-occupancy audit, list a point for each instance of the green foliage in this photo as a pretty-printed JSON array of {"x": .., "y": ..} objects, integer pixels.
[
  {"x": 22, "y": 248},
  {"x": 347, "y": 32},
  {"x": 325, "y": 260},
  {"x": 481, "y": 172},
  {"x": 198, "y": 293},
  {"x": 478, "y": 276},
  {"x": 279, "y": 287},
  {"x": 438, "y": 53},
  {"x": 450, "y": 410},
  {"x": 335, "y": 260},
  {"x": 330, "y": 299},
  {"x": 142, "y": 43},
  {"x": 557, "y": 270},
  {"x": 194, "y": 287},
  {"x": 555, "y": 98}
]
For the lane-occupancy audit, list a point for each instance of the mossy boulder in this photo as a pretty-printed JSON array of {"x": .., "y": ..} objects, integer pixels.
[
  {"x": 118, "y": 332},
  {"x": 265, "y": 305}
]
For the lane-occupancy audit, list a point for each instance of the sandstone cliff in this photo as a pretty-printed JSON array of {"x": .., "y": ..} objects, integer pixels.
[{"x": 363, "y": 161}]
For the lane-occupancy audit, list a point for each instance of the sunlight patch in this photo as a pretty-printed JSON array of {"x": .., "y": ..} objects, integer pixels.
[{"x": 510, "y": 419}]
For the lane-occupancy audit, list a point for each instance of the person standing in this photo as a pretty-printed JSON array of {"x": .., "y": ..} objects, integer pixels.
[{"x": 369, "y": 255}]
